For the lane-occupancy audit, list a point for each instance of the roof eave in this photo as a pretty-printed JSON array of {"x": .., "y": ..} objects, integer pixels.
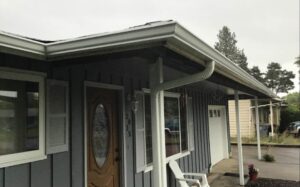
[
  {"x": 125, "y": 40},
  {"x": 224, "y": 66},
  {"x": 170, "y": 34},
  {"x": 21, "y": 46}
]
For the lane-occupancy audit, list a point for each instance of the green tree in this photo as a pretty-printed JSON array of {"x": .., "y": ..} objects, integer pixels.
[
  {"x": 256, "y": 73},
  {"x": 272, "y": 75},
  {"x": 279, "y": 80},
  {"x": 297, "y": 62},
  {"x": 227, "y": 43},
  {"x": 292, "y": 100},
  {"x": 227, "y": 46},
  {"x": 285, "y": 82},
  {"x": 241, "y": 60}
]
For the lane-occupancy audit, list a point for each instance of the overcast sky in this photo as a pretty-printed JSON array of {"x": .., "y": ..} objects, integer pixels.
[{"x": 268, "y": 30}]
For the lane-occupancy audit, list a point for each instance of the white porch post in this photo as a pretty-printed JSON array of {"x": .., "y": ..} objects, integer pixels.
[
  {"x": 239, "y": 140},
  {"x": 257, "y": 129},
  {"x": 271, "y": 118},
  {"x": 159, "y": 178},
  {"x": 277, "y": 115}
]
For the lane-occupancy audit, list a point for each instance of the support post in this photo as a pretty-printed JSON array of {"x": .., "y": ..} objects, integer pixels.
[
  {"x": 157, "y": 86},
  {"x": 159, "y": 178},
  {"x": 239, "y": 140},
  {"x": 277, "y": 115},
  {"x": 257, "y": 129},
  {"x": 271, "y": 118}
]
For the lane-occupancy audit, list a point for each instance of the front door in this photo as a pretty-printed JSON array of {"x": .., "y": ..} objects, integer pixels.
[{"x": 103, "y": 149}]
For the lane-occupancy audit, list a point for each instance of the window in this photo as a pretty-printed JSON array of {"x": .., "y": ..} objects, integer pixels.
[
  {"x": 214, "y": 113},
  {"x": 21, "y": 118},
  {"x": 179, "y": 136}
]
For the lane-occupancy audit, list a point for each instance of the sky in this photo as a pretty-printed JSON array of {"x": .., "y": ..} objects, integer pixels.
[{"x": 267, "y": 30}]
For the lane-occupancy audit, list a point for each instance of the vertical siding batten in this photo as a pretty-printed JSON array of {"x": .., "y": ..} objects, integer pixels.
[
  {"x": 76, "y": 126},
  {"x": 61, "y": 170},
  {"x": 41, "y": 173},
  {"x": 17, "y": 176}
]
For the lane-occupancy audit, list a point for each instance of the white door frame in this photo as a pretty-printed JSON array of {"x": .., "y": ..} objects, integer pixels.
[
  {"x": 225, "y": 144},
  {"x": 121, "y": 124}
]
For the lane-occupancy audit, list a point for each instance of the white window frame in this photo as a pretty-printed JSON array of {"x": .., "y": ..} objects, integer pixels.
[
  {"x": 149, "y": 167},
  {"x": 35, "y": 155}
]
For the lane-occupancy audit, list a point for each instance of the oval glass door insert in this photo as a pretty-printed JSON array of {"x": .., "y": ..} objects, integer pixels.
[{"x": 100, "y": 135}]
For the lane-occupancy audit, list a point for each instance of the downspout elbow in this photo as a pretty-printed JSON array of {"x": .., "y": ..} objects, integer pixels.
[{"x": 203, "y": 75}]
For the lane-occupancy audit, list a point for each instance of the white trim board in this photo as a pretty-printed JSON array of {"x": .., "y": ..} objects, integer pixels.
[{"x": 169, "y": 34}]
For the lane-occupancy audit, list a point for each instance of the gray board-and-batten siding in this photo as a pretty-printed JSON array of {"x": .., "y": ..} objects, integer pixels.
[{"x": 67, "y": 169}]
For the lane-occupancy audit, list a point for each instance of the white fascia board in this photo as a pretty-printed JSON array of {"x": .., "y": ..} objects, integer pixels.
[
  {"x": 129, "y": 37},
  {"x": 224, "y": 66},
  {"x": 18, "y": 45},
  {"x": 172, "y": 34}
]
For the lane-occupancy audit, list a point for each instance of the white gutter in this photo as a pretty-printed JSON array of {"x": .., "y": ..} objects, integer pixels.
[
  {"x": 169, "y": 34},
  {"x": 224, "y": 65},
  {"x": 18, "y": 45},
  {"x": 157, "y": 116}
]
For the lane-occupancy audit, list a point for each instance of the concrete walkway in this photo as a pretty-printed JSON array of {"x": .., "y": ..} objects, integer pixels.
[{"x": 286, "y": 166}]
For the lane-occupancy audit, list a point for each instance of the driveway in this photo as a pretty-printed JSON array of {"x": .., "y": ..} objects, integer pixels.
[{"x": 286, "y": 165}]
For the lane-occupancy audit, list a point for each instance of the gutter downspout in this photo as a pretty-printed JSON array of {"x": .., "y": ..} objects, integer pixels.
[{"x": 157, "y": 115}]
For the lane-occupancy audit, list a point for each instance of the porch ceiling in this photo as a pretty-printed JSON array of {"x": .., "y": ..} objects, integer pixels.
[{"x": 169, "y": 34}]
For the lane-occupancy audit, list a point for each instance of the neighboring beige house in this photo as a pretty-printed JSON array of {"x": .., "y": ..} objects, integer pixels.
[{"x": 247, "y": 116}]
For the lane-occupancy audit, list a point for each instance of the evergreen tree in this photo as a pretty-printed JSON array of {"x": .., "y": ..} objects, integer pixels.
[
  {"x": 227, "y": 45},
  {"x": 272, "y": 75},
  {"x": 256, "y": 73},
  {"x": 297, "y": 62},
  {"x": 279, "y": 80},
  {"x": 241, "y": 60},
  {"x": 285, "y": 82}
]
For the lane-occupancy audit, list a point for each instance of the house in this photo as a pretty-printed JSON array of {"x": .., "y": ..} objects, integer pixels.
[
  {"x": 113, "y": 109},
  {"x": 247, "y": 117}
]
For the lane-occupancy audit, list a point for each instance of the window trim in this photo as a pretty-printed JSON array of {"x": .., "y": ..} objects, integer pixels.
[
  {"x": 182, "y": 153},
  {"x": 35, "y": 155}
]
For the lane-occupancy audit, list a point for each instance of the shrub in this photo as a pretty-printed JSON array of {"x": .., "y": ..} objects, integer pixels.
[{"x": 268, "y": 158}]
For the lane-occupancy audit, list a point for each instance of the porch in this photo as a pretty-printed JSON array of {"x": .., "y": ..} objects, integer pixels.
[{"x": 286, "y": 167}]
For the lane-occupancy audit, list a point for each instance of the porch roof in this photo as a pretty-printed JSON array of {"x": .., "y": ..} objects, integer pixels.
[{"x": 169, "y": 34}]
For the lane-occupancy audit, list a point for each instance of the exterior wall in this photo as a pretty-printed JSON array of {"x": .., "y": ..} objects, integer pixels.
[
  {"x": 67, "y": 169},
  {"x": 246, "y": 119},
  {"x": 53, "y": 171}
]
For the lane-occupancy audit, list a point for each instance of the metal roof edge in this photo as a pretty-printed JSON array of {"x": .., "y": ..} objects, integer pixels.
[
  {"x": 169, "y": 31},
  {"x": 21, "y": 46},
  {"x": 223, "y": 65},
  {"x": 140, "y": 35}
]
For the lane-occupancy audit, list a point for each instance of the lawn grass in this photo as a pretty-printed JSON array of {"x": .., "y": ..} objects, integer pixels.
[{"x": 278, "y": 139}]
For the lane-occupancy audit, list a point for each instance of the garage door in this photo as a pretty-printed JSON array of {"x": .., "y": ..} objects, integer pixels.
[{"x": 217, "y": 133}]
